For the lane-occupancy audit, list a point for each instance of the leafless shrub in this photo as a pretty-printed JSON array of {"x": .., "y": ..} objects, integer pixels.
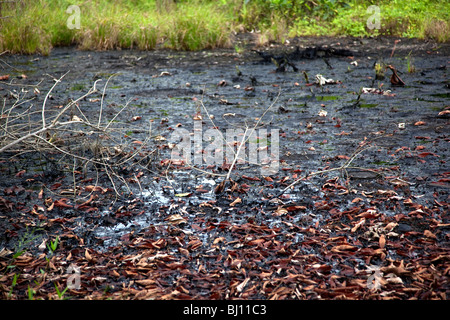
[{"x": 73, "y": 138}]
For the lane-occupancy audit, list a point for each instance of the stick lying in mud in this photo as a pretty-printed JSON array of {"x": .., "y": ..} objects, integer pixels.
[{"x": 221, "y": 186}]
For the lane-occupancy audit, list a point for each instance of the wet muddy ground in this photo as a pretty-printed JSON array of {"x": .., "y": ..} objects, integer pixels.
[{"x": 170, "y": 235}]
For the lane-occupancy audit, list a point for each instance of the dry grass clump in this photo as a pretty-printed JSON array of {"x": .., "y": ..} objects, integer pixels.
[{"x": 436, "y": 29}]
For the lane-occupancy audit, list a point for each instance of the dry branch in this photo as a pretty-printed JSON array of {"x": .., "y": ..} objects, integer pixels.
[
  {"x": 342, "y": 168},
  {"x": 26, "y": 131}
]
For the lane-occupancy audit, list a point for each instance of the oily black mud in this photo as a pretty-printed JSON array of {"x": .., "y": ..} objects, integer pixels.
[{"x": 320, "y": 127}]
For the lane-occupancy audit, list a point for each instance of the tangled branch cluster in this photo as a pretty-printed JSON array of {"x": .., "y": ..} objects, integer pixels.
[{"x": 67, "y": 134}]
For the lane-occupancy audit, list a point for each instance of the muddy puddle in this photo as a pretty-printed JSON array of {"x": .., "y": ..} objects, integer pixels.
[{"x": 320, "y": 127}]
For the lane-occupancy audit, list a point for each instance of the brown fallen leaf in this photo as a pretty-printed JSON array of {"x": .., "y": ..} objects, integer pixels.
[
  {"x": 295, "y": 208},
  {"x": 241, "y": 286},
  {"x": 395, "y": 79},
  {"x": 20, "y": 173},
  {"x": 429, "y": 234},
  {"x": 343, "y": 247},
  {"x": 61, "y": 203},
  {"x": 88, "y": 256},
  {"x": 220, "y": 187},
  {"x": 400, "y": 182},
  {"x": 445, "y": 112},
  {"x": 425, "y": 154},
  {"x": 115, "y": 274},
  {"x": 382, "y": 241},
  {"x": 390, "y": 226},
  {"x": 392, "y": 278},
  {"x": 369, "y": 214},
  {"x": 92, "y": 188},
  {"x": 235, "y": 202},
  {"x": 184, "y": 252},
  {"x": 280, "y": 212},
  {"x": 397, "y": 270},
  {"x": 356, "y": 200},
  {"x": 145, "y": 282},
  {"x": 219, "y": 239},
  {"x": 176, "y": 219},
  {"x": 359, "y": 224},
  {"x": 222, "y": 83}
]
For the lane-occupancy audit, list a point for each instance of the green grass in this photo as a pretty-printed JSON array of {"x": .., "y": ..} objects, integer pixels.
[
  {"x": 37, "y": 25},
  {"x": 419, "y": 19}
]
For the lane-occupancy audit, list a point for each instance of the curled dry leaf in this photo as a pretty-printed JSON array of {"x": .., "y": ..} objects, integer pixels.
[
  {"x": 185, "y": 194},
  {"x": 295, "y": 208},
  {"x": 393, "y": 279},
  {"x": 145, "y": 282},
  {"x": 382, "y": 241},
  {"x": 176, "y": 219},
  {"x": 390, "y": 226},
  {"x": 159, "y": 138},
  {"x": 280, "y": 211},
  {"x": 235, "y": 202},
  {"x": 76, "y": 119},
  {"x": 91, "y": 188},
  {"x": 241, "y": 286},
  {"x": 88, "y": 256},
  {"x": 343, "y": 247},
  {"x": 359, "y": 224},
  {"x": 323, "y": 113},
  {"x": 220, "y": 187},
  {"x": 429, "y": 234}
]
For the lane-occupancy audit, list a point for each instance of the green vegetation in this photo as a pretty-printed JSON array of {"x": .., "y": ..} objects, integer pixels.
[{"x": 31, "y": 26}]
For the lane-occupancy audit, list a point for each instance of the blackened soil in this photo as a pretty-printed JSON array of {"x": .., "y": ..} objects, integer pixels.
[{"x": 320, "y": 127}]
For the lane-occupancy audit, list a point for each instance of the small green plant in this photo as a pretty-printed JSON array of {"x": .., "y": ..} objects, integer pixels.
[
  {"x": 53, "y": 245},
  {"x": 77, "y": 87},
  {"x": 21, "y": 245},
  {"x": 61, "y": 293},
  {"x": 379, "y": 70},
  {"x": 238, "y": 49},
  {"x": 31, "y": 293},
  {"x": 13, "y": 284},
  {"x": 409, "y": 64}
]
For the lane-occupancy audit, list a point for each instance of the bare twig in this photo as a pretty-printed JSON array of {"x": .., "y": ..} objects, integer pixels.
[
  {"x": 69, "y": 138},
  {"x": 221, "y": 186},
  {"x": 345, "y": 166},
  {"x": 46, "y": 97}
]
